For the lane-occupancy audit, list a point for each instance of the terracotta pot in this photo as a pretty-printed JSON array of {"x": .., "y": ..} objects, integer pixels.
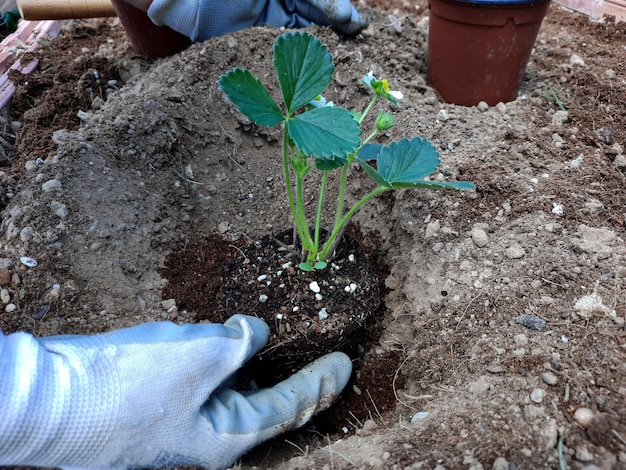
[
  {"x": 147, "y": 38},
  {"x": 478, "y": 49}
]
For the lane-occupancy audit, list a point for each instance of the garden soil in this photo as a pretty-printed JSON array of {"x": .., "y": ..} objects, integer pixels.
[{"x": 500, "y": 338}]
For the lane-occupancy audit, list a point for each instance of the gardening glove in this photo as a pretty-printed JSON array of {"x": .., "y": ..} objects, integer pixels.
[
  {"x": 149, "y": 396},
  {"x": 202, "y": 19}
]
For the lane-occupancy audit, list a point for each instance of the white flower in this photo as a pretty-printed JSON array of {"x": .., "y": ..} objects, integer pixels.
[
  {"x": 320, "y": 102},
  {"x": 381, "y": 87}
]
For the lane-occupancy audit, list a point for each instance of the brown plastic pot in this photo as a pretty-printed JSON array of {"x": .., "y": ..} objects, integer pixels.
[
  {"x": 478, "y": 49},
  {"x": 147, "y": 38}
]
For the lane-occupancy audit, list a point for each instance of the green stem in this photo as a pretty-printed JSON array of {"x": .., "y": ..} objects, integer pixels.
[
  {"x": 369, "y": 137},
  {"x": 305, "y": 235},
  {"x": 341, "y": 195},
  {"x": 368, "y": 109},
  {"x": 329, "y": 246},
  {"x": 318, "y": 217},
  {"x": 293, "y": 205}
]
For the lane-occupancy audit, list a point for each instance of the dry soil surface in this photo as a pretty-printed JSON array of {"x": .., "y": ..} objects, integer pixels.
[{"x": 505, "y": 307}]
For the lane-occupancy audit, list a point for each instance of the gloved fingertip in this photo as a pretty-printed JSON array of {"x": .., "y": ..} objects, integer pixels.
[
  {"x": 260, "y": 330},
  {"x": 334, "y": 371},
  {"x": 353, "y": 27}
]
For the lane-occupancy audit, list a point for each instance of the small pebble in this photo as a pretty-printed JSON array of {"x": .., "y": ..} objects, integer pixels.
[
  {"x": 583, "y": 416},
  {"x": 521, "y": 339},
  {"x": 263, "y": 298},
  {"x": 496, "y": 368},
  {"x": 537, "y": 395},
  {"x": 531, "y": 322},
  {"x": 575, "y": 59},
  {"x": 583, "y": 454},
  {"x": 515, "y": 252},
  {"x": 29, "y": 262},
  {"x": 500, "y": 464},
  {"x": 549, "y": 378},
  {"x": 419, "y": 415},
  {"x": 443, "y": 115},
  {"x": 479, "y": 237},
  {"x": 51, "y": 185},
  {"x": 315, "y": 287},
  {"x": 59, "y": 209}
]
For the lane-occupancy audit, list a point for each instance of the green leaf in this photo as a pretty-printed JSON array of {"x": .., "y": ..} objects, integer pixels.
[
  {"x": 303, "y": 66},
  {"x": 406, "y": 163},
  {"x": 437, "y": 185},
  {"x": 251, "y": 97},
  {"x": 325, "y": 132},
  {"x": 372, "y": 173},
  {"x": 369, "y": 152},
  {"x": 329, "y": 164},
  {"x": 304, "y": 266},
  {"x": 407, "y": 160}
]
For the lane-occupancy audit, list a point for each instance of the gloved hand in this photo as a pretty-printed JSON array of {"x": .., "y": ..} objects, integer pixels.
[
  {"x": 202, "y": 19},
  {"x": 149, "y": 396}
]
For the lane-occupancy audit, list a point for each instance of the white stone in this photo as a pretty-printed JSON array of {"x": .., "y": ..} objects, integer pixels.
[
  {"x": 515, "y": 252},
  {"x": 588, "y": 304},
  {"x": 583, "y": 454},
  {"x": 575, "y": 59},
  {"x": 549, "y": 378},
  {"x": 479, "y": 237},
  {"x": 51, "y": 185},
  {"x": 583, "y": 416},
  {"x": 537, "y": 395},
  {"x": 59, "y": 209}
]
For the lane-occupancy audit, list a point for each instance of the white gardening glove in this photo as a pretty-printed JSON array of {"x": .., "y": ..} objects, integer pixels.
[
  {"x": 149, "y": 396},
  {"x": 203, "y": 19}
]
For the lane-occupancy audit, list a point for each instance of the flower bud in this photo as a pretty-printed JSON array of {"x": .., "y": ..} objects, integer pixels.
[{"x": 384, "y": 121}]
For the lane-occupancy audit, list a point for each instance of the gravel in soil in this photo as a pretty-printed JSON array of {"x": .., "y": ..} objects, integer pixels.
[{"x": 160, "y": 160}]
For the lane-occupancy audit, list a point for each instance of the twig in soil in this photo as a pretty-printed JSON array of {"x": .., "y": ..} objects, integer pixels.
[
  {"x": 187, "y": 180},
  {"x": 418, "y": 397},
  {"x": 553, "y": 283},
  {"x": 376, "y": 408},
  {"x": 302, "y": 451},
  {"x": 245, "y": 258},
  {"x": 618, "y": 436},
  {"x": 290, "y": 248},
  {"x": 393, "y": 383},
  {"x": 334, "y": 452},
  {"x": 360, "y": 424}
]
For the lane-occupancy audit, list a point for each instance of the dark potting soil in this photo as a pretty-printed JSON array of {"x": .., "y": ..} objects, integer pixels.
[{"x": 216, "y": 278}]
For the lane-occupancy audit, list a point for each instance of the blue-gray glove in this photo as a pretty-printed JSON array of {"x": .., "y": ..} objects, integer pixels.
[
  {"x": 149, "y": 396},
  {"x": 202, "y": 19}
]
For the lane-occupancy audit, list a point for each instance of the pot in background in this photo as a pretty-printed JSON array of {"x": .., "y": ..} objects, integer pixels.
[
  {"x": 147, "y": 38},
  {"x": 478, "y": 49}
]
